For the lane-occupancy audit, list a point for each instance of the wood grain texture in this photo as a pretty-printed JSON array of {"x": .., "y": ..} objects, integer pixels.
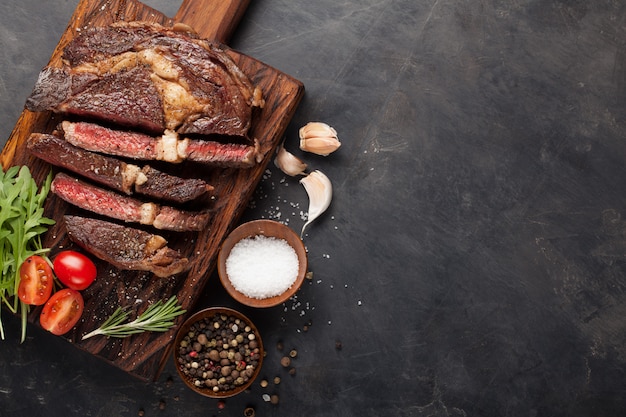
[
  {"x": 144, "y": 355},
  {"x": 223, "y": 15}
]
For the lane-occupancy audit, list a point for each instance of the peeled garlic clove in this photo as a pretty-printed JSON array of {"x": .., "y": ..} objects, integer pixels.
[
  {"x": 320, "y": 191},
  {"x": 288, "y": 163},
  {"x": 318, "y": 138}
]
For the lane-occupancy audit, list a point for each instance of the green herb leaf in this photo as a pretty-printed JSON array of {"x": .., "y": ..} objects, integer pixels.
[
  {"x": 22, "y": 223},
  {"x": 159, "y": 317}
]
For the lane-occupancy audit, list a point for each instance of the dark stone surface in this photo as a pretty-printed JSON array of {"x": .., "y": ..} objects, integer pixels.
[{"x": 473, "y": 261}]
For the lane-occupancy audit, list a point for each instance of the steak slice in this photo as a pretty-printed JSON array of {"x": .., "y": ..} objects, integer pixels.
[
  {"x": 167, "y": 148},
  {"x": 113, "y": 205},
  {"x": 96, "y": 138},
  {"x": 146, "y": 76},
  {"x": 114, "y": 173},
  {"x": 124, "y": 247},
  {"x": 154, "y": 183}
]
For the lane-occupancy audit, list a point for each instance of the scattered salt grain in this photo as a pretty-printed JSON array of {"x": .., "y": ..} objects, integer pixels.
[{"x": 262, "y": 266}]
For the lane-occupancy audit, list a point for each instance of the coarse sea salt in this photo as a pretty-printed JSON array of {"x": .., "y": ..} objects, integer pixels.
[{"x": 262, "y": 266}]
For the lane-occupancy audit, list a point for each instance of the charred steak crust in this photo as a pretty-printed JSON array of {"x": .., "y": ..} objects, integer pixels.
[
  {"x": 158, "y": 184},
  {"x": 116, "y": 206},
  {"x": 146, "y": 76},
  {"x": 59, "y": 152},
  {"x": 124, "y": 247},
  {"x": 115, "y": 174},
  {"x": 127, "y": 97}
]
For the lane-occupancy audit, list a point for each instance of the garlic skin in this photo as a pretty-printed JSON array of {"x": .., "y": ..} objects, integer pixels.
[
  {"x": 288, "y": 163},
  {"x": 320, "y": 191},
  {"x": 319, "y": 138}
]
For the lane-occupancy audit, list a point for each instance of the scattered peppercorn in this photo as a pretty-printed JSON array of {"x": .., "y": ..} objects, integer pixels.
[
  {"x": 276, "y": 380},
  {"x": 264, "y": 383},
  {"x": 338, "y": 345},
  {"x": 292, "y": 371},
  {"x": 221, "y": 404},
  {"x": 293, "y": 353},
  {"x": 249, "y": 412},
  {"x": 274, "y": 399},
  {"x": 280, "y": 345},
  {"x": 141, "y": 413},
  {"x": 285, "y": 361},
  {"x": 162, "y": 405},
  {"x": 309, "y": 275}
]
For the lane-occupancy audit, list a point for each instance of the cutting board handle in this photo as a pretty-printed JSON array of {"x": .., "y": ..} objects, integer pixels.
[{"x": 212, "y": 19}]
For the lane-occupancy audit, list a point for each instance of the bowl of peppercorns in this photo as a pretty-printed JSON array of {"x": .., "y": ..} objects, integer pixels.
[{"x": 218, "y": 352}]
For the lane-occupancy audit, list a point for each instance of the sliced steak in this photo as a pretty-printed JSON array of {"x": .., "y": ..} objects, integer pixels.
[
  {"x": 57, "y": 151},
  {"x": 154, "y": 183},
  {"x": 221, "y": 154},
  {"x": 114, "y": 173},
  {"x": 167, "y": 148},
  {"x": 124, "y": 247},
  {"x": 111, "y": 204},
  {"x": 147, "y": 76},
  {"x": 96, "y": 138}
]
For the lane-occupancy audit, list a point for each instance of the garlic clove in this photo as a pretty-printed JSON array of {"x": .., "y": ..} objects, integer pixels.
[
  {"x": 320, "y": 191},
  {"x": 318, "y": 138},
  {"x": 288, "y": 163}
]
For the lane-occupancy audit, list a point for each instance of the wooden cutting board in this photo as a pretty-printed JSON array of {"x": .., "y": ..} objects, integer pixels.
[{"x": 144, "y": 355}]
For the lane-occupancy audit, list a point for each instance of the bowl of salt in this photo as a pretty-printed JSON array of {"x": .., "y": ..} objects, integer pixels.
[{"x": 262, "y": 263}]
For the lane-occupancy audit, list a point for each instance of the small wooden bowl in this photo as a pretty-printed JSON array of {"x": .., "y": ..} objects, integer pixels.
[
  {"x": 268, "y": 228},
  {"x": 184, "y": 330}
]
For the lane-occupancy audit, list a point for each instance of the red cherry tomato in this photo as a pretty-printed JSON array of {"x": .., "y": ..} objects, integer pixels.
[
  {"x": 62, "y": 311},
  {"x": 36, "y": 281},
  {"x": 74, "y": 270}
]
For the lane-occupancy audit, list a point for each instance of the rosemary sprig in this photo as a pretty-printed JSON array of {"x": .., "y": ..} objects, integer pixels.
[{"x": 157, "y": 318}]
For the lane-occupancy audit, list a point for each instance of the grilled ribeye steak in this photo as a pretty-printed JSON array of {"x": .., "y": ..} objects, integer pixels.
[
  {"x": 167, "y": 147},
  {"x": 147, "y": 76},
  {"x": 117, "y": 206},
  {"x": 113, "y": 173},
  {"x": 124, "y": 247}
]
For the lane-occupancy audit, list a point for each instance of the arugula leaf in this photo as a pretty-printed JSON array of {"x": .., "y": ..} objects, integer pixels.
[{"x": 22, "y": 223}]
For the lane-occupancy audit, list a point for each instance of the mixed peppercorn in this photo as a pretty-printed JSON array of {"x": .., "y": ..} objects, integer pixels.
[{"x": 219, "y": 353}]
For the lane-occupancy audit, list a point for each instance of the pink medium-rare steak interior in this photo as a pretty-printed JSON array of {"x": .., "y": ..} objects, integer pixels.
[
  {"x": 114, "y": 173},
  {"x": 167, "y": 147},
  {"x": 117, "y": 206}
]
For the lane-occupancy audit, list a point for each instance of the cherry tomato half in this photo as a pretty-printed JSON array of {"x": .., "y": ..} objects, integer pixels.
[
  {"x": 62, "y": 311},
  {"x": 74, "y": 270},
  {"x": 36, "y": 281}
]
